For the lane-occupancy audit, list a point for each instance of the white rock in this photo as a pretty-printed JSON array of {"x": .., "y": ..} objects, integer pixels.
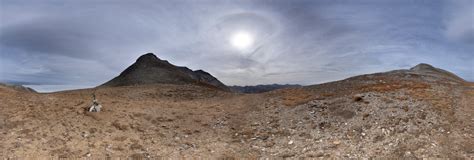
[{"x": 290, "y": 142}]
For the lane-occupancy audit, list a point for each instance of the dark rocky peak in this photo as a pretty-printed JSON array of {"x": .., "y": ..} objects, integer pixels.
[
  {"x": 149, "y": 69},
  {"x": 151, "y": 59},
  {"x": 148, "y": 57}
]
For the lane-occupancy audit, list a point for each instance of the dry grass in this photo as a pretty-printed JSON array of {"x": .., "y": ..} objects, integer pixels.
[
  {"x": 470, "y": 84},
  {"x": 296, "y": 96},
  {"x": 393, "y": 86},
  {"x": 469, "y": 93}
]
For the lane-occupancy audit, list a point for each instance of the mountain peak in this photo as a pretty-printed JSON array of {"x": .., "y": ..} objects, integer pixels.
[
  {"x": 423, "y": 67},
  {"x": 148, "y": 57},
  {"x": 426, "y": 69},
  {"x": 149, "y": 69}
]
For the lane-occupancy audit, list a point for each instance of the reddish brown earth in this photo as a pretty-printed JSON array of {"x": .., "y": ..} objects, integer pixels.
[{"x": 399, "y": 114}]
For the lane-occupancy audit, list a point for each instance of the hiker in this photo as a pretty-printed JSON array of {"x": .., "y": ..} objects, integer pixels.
[{"x": 95, "y": 105}]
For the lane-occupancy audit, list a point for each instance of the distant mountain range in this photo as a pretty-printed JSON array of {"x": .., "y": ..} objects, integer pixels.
[{"x": 261, "y": 88}]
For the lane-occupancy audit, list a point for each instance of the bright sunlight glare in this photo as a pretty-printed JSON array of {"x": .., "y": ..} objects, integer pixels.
[{"x": 241, "y": 40}]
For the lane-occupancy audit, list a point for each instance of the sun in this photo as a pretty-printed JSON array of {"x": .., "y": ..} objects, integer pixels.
[{"x": 241, "y": 40}]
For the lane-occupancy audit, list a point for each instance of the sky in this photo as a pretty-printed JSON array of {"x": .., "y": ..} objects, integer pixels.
[{"x": 53, "y": 45}]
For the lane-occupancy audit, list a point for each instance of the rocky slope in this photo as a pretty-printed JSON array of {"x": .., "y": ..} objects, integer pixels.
[
  {"x": 413, "y": 113},
  {"x": 17, "y": 87},
  {"x": 149, "y": 69},
  {"x": 428, "y": 70}
]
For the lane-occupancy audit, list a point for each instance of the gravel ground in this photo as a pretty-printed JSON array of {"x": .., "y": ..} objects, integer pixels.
[{"x": 399, "y": 114}]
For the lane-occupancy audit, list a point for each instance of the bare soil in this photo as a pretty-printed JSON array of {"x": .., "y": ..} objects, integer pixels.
[{"x": 395, "y": 115}]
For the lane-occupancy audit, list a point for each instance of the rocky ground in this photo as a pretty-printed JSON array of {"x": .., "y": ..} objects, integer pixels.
[{"x": 399, "y": 114}]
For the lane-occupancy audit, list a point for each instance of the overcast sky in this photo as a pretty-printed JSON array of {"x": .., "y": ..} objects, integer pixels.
[{"x": 61, "y": 44}]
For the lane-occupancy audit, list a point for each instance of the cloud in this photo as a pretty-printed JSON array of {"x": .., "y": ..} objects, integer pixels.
[
  {"x": 85, "y": 43},
  {"x": 460, "y": 21}
]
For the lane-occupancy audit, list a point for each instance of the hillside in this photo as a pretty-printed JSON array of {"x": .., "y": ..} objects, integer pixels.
[
  {"x": 16, "y": 87},
  {"x": 149, "y": 69},
  {"x": 421, "y": 112}
]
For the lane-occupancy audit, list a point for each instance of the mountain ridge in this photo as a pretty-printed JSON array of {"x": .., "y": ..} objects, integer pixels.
[{"x": 149, "y": 69}]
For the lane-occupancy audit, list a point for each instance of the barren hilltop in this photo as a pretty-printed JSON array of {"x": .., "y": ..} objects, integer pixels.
[{"x": 155, "y": 109}]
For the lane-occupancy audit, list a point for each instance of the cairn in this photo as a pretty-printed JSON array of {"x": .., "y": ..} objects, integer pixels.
[{"x": 95, "y": 105}]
